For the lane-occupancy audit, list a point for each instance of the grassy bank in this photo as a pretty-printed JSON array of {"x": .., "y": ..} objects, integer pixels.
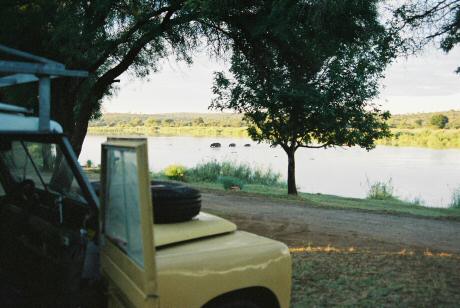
[
  {"x": 245, "y": 179},
  {"x": 392, "y": 206},
  {"x": 354, "y": 277},
  {"x": 213, "y": 177}
]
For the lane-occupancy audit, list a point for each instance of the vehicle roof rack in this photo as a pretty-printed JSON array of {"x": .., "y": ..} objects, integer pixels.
[
  {"x": 8, "y": 108},
  {"x": 34, "y": 69}
]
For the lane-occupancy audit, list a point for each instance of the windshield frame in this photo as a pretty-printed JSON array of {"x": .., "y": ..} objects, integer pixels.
[{"x": 66, "y": 148}]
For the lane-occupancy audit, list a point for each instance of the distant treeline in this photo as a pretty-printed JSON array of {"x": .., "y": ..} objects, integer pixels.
[
  {"x": 196, "y": 131},
  {"x": 424, "y": 120},
  {"x": 434, "y": 130},
  {"x": 405, "y": 121},
  {"x": 170, "y": 120}
]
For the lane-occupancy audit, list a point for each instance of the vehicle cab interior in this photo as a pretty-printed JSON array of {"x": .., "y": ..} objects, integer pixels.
[{"x": 46, "y": 217}]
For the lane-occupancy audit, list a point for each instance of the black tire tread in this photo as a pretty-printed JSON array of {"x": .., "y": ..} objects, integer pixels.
[{"x": 172, "y": 202}]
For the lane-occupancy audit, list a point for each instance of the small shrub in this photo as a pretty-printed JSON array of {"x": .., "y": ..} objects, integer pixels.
[
  {"x": 381, "y": 191},
  {"x": 419, "y": 122},
  {"x": 175, "y": 172},
  {"x": 89, "y": 163},
  {"x": 230, "y": 182},
  {"x": 212, "y": 170},
  {"x": 439, "y": 121},
  {"x": 455, "y": 203}
]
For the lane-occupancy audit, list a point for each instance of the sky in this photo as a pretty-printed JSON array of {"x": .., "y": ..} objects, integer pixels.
[{"x": 422, "y": 83}]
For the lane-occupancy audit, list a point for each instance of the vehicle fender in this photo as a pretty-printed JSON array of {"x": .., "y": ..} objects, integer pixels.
[{"x": 192, "y": 274}]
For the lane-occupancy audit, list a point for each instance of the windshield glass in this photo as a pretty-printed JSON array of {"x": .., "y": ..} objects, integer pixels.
[
  {"x": 123, "y": 217},
  {"x": 44, "y": 164}
]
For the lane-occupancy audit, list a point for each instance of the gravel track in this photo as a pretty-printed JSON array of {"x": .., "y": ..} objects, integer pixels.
[{"x": 298, "y": 224}]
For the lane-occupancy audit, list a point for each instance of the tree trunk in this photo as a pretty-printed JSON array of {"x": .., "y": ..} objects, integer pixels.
[
  {"x": 292, "y": 188},
  {"x": 63, "y": 106},
  {"x": 81, "y": 125}
]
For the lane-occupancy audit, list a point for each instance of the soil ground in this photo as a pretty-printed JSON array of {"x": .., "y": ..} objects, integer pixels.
[
  {"x": 351, "y": 257},
  {"x": 300, "y": 225}
]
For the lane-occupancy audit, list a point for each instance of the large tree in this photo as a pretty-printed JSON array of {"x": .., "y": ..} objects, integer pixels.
[
  {"x": 104, "y": 37},
  {"x": 108, "y": 38},
  {"x": 305, "y": 76}
]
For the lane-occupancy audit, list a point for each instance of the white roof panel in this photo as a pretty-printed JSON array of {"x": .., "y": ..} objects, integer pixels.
[
  {"x": 12, "y": 108},
  {"x": 21, "y": 123}
]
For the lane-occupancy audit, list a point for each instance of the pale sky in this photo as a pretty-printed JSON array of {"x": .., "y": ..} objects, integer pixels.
[{"x": 421, "y": 83}]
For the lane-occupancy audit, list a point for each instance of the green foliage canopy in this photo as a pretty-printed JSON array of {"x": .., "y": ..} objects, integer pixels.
[
  {"x": 108, "y": 38},
  {"x": 304, "y": 77},
  {"x": 104, "y": 37}
]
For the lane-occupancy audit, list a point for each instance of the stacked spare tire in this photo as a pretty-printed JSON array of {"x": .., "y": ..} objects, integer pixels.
[{"x": 172, "y": 202}]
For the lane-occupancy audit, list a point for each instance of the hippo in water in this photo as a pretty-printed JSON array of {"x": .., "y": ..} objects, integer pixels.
[
  {"x": 232, "y": 145},
  {"x": 215, "y": 145}
]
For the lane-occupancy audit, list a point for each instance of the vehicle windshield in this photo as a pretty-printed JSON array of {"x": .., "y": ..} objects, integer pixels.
[{"x": 44, "y": 164}]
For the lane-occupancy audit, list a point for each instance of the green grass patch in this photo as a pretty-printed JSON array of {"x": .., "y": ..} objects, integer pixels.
[
  {"x": 385, "y": 206},
  {"x": 353, "y": 278},
  {"x": 390, "y": 206},
  {"x": 279, "y": 191},
  {"x": 231, "y": 183}
]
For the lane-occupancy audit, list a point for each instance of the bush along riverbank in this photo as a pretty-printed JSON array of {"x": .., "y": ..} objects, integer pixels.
[
  {"x": 233, "y": 178},
  {"x": 230, "y": 177},
  {"x": 427, "y": 138}
]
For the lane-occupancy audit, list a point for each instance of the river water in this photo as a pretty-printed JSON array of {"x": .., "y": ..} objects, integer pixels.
[{"x": 416, "y": 173}]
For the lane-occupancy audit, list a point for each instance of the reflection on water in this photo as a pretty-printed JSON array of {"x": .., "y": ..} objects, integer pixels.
[{"x": 430, "y": 175}]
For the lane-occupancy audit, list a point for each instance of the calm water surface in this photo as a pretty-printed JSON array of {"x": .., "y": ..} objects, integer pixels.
[{"x": 426, "y": 174}]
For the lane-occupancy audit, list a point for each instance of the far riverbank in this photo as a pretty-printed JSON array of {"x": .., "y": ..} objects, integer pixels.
[{"x": 424, "y": 138}]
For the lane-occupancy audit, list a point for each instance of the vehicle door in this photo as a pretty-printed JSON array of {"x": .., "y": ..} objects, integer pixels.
[{"x": 128, "y": 251}]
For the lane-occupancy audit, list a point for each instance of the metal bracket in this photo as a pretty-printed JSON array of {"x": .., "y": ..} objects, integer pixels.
[{"x": 36, "y": 69}]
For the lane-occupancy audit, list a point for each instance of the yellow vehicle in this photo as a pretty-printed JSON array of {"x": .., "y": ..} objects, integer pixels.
[
  {"x": 62, "y": 246},
  {"x": 204, "y": 262}
]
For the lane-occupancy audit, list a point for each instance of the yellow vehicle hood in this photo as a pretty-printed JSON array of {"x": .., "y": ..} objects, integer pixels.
[{"x": 203, "y": 225}]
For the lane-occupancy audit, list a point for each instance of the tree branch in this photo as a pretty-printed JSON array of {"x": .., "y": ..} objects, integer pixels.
[
  {"x": 100, "y": 86},
  {"x": 113, "y": 47},
  {"x": 438, "y": 7},
  {"x": 314, "y": 146},
  {"x": 131, "y": 55}
]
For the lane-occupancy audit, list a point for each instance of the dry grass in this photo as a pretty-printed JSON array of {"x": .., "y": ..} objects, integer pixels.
[{"x": 331, "y": 276}]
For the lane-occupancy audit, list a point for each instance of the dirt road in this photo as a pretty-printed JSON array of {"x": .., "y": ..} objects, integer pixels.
[{"x": 297, "y": 224}]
